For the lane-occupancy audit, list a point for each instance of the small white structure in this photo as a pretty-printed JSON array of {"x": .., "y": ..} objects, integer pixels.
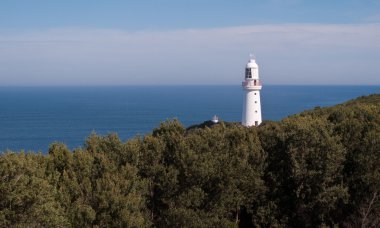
[
  {"x": 252, "y": 86},
  {"x": 215, "y": 119}
]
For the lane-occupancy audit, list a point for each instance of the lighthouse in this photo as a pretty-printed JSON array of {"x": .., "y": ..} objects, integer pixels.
[{"x": 251, "y": 86}]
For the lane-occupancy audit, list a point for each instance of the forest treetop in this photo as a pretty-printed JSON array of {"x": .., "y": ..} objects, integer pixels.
[{"x": 319, "y": 167}]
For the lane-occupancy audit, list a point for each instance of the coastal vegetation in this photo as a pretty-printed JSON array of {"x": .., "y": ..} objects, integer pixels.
[{"x": 320, "y": 167}]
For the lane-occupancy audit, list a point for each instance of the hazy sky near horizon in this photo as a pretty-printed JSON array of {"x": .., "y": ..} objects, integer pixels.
[{"x": 122, "y": 42}]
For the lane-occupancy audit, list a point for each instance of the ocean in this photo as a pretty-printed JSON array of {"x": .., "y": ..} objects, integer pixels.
[{"x": 31, "y": 118}]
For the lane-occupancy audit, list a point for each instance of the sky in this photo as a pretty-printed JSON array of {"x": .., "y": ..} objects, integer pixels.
[{"x": 188, "y": 42}]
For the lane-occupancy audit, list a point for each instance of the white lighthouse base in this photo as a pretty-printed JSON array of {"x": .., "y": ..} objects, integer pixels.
[{"x": 252, "y": 108}]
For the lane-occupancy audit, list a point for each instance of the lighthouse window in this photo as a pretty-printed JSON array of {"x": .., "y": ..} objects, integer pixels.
[
  {"x": 248, "y": 73},
  {"x": 255, "y": 102},
  {"x": 256, "y": 111},
  {"x": 255, "y": 93}
]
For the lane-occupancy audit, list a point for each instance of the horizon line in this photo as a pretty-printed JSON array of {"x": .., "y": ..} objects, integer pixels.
[{"x": 173, "y": 85}]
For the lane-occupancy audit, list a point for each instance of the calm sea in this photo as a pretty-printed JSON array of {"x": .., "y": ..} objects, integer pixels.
[{"x": 31, "y": 118}]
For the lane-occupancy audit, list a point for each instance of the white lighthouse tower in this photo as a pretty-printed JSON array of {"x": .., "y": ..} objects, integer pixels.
[{"x": 252, "y": 86}]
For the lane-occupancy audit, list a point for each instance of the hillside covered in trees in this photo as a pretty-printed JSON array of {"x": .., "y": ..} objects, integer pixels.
[{"x": 319, "y": 167}]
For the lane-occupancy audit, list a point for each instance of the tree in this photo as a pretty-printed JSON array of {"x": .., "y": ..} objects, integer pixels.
[
  {"x": 304, "y": 173},
  {"x": 202, "y": 177},
  {"x": 27, "y": 198}
]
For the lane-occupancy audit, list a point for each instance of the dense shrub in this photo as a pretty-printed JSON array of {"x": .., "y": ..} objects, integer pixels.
[{"x": 320, "y": 167}]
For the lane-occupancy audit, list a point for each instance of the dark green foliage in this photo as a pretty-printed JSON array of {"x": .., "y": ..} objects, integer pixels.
[
  {"x": 202, "y": 177},
  {"x": 317, "y": 168},
  {"x": 26, "y": 197},
  {"x": 305, "y": 170}
]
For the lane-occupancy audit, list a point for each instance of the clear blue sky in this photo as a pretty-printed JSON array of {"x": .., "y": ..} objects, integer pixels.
[
  {"x": 179, "y": 14},
  {"x": 93, "y": 42}
]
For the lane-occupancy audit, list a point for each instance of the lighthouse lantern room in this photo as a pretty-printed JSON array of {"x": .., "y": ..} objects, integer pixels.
[{"x": 252, "y": 86}]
